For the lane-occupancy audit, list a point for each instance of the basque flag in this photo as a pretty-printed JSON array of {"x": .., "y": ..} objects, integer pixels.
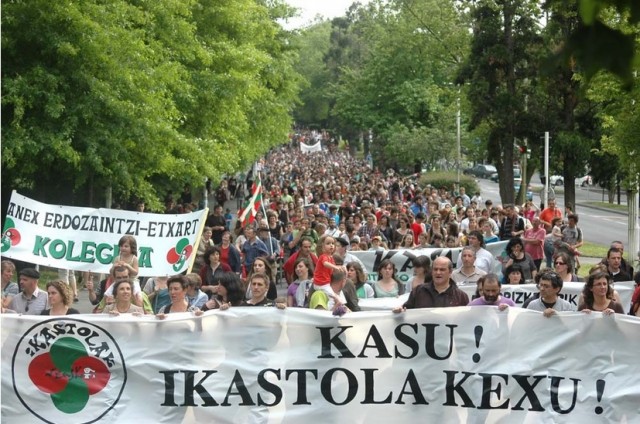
[{"x": 248, "y": 212}]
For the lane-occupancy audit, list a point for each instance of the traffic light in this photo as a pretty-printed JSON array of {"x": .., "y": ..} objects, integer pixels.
[{"x": 522, "y": 150}]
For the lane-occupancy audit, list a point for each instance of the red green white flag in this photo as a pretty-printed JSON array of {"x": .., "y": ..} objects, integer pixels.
[{"x": 248, "y": 212}]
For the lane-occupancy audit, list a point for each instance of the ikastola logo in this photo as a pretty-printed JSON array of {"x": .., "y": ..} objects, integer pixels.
[{"x": 68, "y": 370}]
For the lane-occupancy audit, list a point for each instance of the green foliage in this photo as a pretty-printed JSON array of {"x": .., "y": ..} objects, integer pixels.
[
  {"x": 617, "y": 152},
  {"x": 501, "y": 71},
  {"x": 391, "y": 63},
  {"x": 449, "y": 179},
  {"x": 599, "y": 43},
  {"x": 140, "y": 96},
  {"x": 314, "y": 106},
  {"x": 423, "y": 146}
]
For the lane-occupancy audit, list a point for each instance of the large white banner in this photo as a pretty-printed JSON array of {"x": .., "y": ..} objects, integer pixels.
[
  {"x": 518, "y": 293},
  {"x": 86, "y": 239},
  {"x": 259, "y": 365},
  {"x": 403, "y": 258}
]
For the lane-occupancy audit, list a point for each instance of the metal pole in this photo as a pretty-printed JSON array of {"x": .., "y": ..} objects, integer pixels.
[
  {"x": 632, "y": 206},
  {"x": 546, "y": 168},
  {"x": 523, "y": 174},
  {"x": 459, "y": 159},
  {"x": 205, "y": 195}
]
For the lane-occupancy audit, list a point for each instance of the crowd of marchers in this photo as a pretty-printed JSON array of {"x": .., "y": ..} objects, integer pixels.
[{"x": 316, "y": 210}]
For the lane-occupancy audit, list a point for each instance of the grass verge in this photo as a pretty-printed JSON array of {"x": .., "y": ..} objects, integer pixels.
[
  {"x": 607, "y": 205},
  {"x": 593, "y": 250}
]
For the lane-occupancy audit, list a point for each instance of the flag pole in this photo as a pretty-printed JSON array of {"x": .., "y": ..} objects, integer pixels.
[{"x": 264, "y": 213}]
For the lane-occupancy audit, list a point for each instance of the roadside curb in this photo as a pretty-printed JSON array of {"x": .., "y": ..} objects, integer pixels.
[{"x": 617, "y": 212}]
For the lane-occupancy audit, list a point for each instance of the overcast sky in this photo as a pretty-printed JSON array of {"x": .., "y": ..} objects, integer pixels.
[{"x": 310, "y": 8}]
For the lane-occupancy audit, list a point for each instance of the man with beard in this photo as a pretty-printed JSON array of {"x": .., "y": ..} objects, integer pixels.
[{"x": 491, "y": 294}]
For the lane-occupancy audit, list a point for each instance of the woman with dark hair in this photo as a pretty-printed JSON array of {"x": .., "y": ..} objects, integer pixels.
[
  {"x": 436, "y": 228},
  {"x": 401, "y": 232},
  {"x": 356, "y": 274},
  {"x": 178, "y": 292},
  {"x": 387, "y": 285},
  {"x": 517, "y": 255},
  {"x": 514, "y": 275},
  {"x": 385, "y": 230},
  {"x": 123, "y": 292},
  {"x": 299, "y": 288},
  {"x": 212, "y": 270},
  {"x": 261, "y": 265},
  {"x": 407, "y": 241},
  {"x": 421, "y": 272},
  {"x": 229, "y": 253},
  {"x": 60, "y": 298},
  {"x": 564, "y": 268},
  {"x": 598, "y": 295},
  {"x": 230, "y": 293}
]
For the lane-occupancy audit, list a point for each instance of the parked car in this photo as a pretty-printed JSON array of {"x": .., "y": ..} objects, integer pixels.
[
  {"x": 480, "y": 171},
  {"x": 516, "y": 174},
  {"x": 584, "y": 181},
  {"x": 558, "y": 180}
]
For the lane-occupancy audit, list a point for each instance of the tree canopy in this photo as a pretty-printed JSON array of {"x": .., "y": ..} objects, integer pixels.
[{"x": 142, "y": 96}]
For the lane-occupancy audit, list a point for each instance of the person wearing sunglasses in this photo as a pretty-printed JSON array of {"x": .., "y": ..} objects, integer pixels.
[{"x": 563, "y": 266}]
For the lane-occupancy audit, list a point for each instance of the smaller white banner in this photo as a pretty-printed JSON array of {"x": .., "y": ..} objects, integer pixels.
[
  {"x": 86, "y": 239},
  {"x": 305, "y": 148}
]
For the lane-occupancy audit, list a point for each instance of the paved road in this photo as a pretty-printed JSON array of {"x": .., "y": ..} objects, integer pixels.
[{"x": 598, "y": 225}]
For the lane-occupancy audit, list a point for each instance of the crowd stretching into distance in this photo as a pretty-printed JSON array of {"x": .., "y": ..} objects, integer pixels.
[{"x": 316, "y": 210}]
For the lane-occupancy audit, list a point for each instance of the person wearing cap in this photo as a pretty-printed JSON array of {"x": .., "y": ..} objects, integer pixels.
[
  {"x": 31, "y": 300},
  {"x": 354, "y": 243},
  {"x": 376, "y": 243}
]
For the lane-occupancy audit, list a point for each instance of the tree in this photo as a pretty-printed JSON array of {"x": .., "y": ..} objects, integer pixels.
[
  {"x": 313, "y": 45},
  {"x": 501, "y": 70},
  {"x": 406, "y": 53},
  {"x": 139, "y": 96}
]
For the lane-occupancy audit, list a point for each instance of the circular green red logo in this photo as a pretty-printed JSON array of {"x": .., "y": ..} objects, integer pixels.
[
  {"x": 68, "y": 370},
  {"x": 180, "y": 254},
  {"x": 10, "y": 235}
]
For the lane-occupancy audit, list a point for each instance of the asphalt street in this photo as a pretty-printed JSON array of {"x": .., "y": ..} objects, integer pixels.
[{"x": 598, "y": 225}]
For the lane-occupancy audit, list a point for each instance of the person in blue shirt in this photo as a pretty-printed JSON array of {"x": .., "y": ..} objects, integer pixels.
[{"x": 252, "y": 248}]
